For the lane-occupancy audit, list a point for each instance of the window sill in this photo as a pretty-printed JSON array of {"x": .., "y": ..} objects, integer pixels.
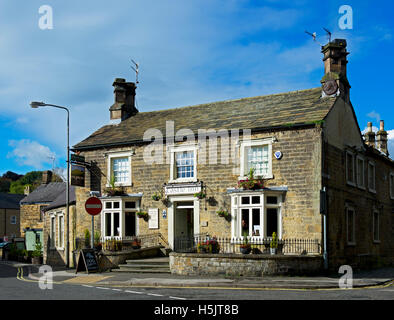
[
  {"x": 351, "y": 244},
  {"x": 376, "y": 241},
  {"x": 372, "y": 191},
  {"x": 352, "y": 184},
  {"x": 362, "y": 188},
  {"x": 183, "y": 180},
  {"x": 257, "y": 177}
]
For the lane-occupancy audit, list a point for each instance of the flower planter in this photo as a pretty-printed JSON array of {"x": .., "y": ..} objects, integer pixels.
[
  {"x": 245, "y": 250},
  {"x": 36, "y": 260}
]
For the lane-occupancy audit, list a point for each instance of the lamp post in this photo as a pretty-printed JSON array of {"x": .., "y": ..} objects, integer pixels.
[{"x": 36, "y": 104}]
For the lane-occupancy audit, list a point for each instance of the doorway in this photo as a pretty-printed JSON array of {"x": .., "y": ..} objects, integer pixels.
[{"x": 183, "y": 224}]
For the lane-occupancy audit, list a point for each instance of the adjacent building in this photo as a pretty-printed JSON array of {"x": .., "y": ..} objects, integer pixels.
[{"x": 10, "y": 215}]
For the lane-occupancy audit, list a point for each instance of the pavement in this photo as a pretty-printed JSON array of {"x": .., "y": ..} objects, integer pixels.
[{"x": 367, "y": 278}]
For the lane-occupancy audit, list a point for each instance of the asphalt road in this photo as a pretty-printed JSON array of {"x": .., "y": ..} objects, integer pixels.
[{"x": 16, "y": 285}]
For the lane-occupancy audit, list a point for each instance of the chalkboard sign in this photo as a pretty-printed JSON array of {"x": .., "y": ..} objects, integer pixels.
[{"x": 87, "y": 261}]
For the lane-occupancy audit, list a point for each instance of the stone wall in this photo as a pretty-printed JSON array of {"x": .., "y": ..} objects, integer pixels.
[
  {"x": 299, "y": 170},
  {"x": 30, "y": 217},
  {"x": 243, "y": 265},
  {"x": 365, "y": 252},
  {"x": 6, "y": 228}
]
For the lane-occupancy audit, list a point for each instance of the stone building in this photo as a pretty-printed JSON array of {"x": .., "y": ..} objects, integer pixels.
[
  {"x": 305, "y": 149},
  {"x": 10, "y": 215}
]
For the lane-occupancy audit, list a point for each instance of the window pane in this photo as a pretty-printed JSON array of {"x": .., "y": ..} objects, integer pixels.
[
  {"x": 108, "y": 224},
  {"x": 184, "y": 164},
  {"x": 245, "y": 222},
  {"x": 376, "y": 225},
  {"x": 256, "y": 222},
  {"x": 272, "y": 200},
  {"x": 245, "y": 200},
  {"x": 108, "y": 205},
  {"x": 258, "y": 158},
  {"x": 255, "y": 199},
  {"x": 116, "y": 205},
  {"x": 349, "y": 167},
  {"x": 360, "y": 172},
  {"x": 129, "y": 205},
  {"x": 272, "y": 221},
  {"x": 121, "y": 169},
  {"x": 116, "y": 224},
  {"x": 371, "y": 176},
  {"x": 130, "y": 224},
  {"x": 350, "y": 225}
]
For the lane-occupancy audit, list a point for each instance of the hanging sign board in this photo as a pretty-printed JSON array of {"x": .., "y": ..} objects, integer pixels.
[
  {"x": 87, "y": 261},
  {"x": 77, "y": 175}
]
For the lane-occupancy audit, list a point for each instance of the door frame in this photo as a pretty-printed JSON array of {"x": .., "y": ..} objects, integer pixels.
[{"x": 171, "y": 212}]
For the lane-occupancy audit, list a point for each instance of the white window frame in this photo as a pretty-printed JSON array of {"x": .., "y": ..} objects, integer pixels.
[
  {"x": 236, "y": 212},
  {"x": 244, "y": 156},
  {"x": 122, "y": 211},
  {"x": 60, "y": 216},
  {"x": 353, "y": 242},
  {"x": 52, "y": 228},
  {"x": 117, "y": 155},
  {"x": 175, "y": 149},
  {"x": 13, "y": 219},
  {"x": 391, "y": 185},
  {"x": 359, "y": 184},
  {"x": 373, "y": 190},
  {"x": 375, "y": 240},
  {"x": 353, "y": 181}
]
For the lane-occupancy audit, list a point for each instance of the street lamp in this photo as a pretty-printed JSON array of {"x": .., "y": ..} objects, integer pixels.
[{"x": 36, "y": 104}]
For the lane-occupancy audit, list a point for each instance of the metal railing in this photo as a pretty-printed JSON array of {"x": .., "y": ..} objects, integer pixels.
[
  {"x": 118, "y": 243},
  {"x": 205, "y": 243}
]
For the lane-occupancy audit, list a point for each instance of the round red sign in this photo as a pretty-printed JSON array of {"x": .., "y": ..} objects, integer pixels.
[{"x": 93, "y": 206}]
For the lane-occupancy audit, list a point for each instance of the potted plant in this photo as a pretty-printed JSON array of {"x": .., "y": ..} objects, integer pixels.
[
  {"x": 251, "y": 183},
  {"x": 212, "y": 245},
  {"x": 87, "y": 238},
  {"x": 200, "y": 195},
  {"x": 113, "y": 190},
  {"x": 274, "y": 243},
  {"x": 245, "y": 248},
  {"x": 97, "y": 243},
  {"x": 201, "y": 247},
  {"x": 36, "y": 255},
  {"x": 136, "y": 243}
]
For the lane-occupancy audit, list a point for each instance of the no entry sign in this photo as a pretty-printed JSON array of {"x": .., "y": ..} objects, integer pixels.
[{"x": 93, "y": 206}]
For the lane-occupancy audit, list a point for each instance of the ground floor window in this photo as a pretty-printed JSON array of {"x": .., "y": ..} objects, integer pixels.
[
  {"x": 119, "y": 217},
  {"x": 53, "y": 231},
  {"x": 376, "y": 226},
  {"x": 350, "y": 225},
  {"x": 60, "y": 231},
  {"x": 256, "y": 215}
]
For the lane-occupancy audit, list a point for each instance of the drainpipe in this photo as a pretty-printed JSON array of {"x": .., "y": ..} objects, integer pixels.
[
  {"x": 324, "y": 209},
  {"x": 5, "y": 221}
]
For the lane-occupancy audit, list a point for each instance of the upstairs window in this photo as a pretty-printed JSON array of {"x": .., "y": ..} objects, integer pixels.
[
  {"x": 350, "y": 172},
  {"x": 350, "y": 226},
  {"x": 371, "y": 177},
  {"x": 391, "y": 177},
  {"x": 257, "y": 155},
  {"x": 360, "y": 173},
  {"x": 183, "y": 163},
  {"x": 375, "y": 226},
  {"x": 13, "y": 220},
  {"x": 119, "y": 169}
]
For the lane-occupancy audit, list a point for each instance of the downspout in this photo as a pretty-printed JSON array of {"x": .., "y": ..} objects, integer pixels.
[
  {"x": 324, "y": 213},
  {"x": 5, "y": 221}
]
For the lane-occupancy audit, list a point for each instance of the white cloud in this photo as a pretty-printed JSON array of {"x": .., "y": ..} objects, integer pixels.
[
  {"x": 374, "y": 115},
  {"x": 30, "y": 153},
  {"x": 391, "y": 143}
]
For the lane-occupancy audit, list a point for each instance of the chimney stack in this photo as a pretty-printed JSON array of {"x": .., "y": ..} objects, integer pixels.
[
  {"x": 370, "y": 136},
  {"x": 335, "y": 82},
  {"x": 46, "y": 177},
  {"x": 124, "y": 106},
  {"x": 382, "y": 139}
]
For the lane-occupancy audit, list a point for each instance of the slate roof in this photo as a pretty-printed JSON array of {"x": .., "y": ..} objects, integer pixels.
[
  {"x": 10, "y": 201},
  {"x": 270, "y": 111},
  {"x": 45, "y": 193},
  {"x": 61, "y": 201}
]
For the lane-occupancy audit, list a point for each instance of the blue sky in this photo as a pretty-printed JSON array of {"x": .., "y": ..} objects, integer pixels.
[{"x": 190, "y": 52}]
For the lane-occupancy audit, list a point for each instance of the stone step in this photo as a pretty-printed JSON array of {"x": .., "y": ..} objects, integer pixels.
[
  {"x": 151, "y": 261},
  {"x": 146, "y": 265},
  {"x": 131, "y": 269}
]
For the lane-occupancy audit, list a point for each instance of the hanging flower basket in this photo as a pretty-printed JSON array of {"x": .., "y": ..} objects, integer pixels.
[
  {"x": 251, "y": 183},
  {"x": 200, "y": 195},
  {"x": 223, "y": 214},
  {"x": 156, "y": 197},
  {"x": 143, "y": 215}
]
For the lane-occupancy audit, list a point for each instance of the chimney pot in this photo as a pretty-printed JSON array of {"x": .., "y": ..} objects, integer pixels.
[
  {"x": 46, "y": 177},
  {"x": 381, "y": 141},
  {"x": 382, "y": 125},
  {"x": 124, "y": 105}
]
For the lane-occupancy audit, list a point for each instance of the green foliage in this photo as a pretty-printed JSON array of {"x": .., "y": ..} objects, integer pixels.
[
  {"x": 5, "y": 185},
  {"x": 87, "y": 238},
  {"x": 274, "y": 241},
  {"x": 97, "y": 237},
  {"x": 37, "y": 252}
]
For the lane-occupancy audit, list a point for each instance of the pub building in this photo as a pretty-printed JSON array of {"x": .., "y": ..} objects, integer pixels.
[{"x": 295, "y": 164}]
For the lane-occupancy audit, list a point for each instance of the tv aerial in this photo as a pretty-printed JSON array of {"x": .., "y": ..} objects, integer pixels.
[
  {"x": 313, "y": 35},
  {"x": 136, "y": 70},
  {"x": 329, "y": 34}
]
